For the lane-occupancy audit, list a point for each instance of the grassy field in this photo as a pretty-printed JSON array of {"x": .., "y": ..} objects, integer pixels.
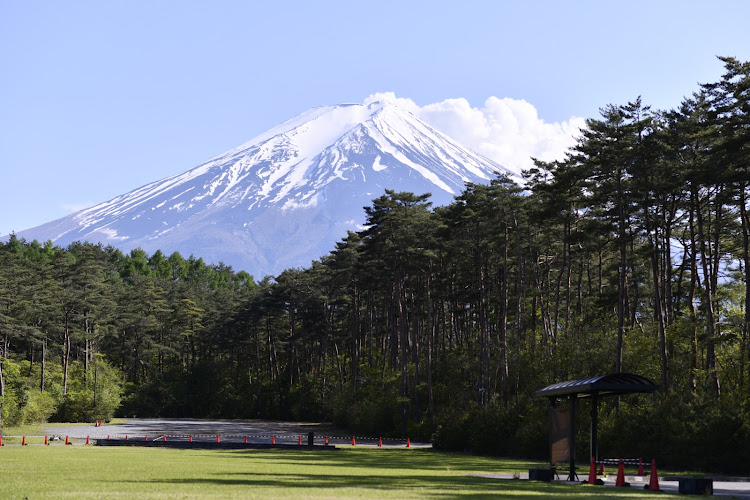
[{"x": 132, "y": 472}]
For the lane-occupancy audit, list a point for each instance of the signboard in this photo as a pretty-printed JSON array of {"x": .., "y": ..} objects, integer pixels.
[{"x": 559, "y": 435}]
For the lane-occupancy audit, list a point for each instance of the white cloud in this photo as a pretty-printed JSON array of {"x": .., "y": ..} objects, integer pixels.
[
  {"x": 402, "y": 102},
  {"x": 508, "y": 131}
]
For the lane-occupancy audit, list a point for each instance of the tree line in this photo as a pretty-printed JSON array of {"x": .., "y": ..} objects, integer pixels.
[{"x": 629, "y": 255}]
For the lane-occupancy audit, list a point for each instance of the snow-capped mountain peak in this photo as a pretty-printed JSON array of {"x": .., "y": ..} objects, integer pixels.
[{"x": 286, "y": 196}]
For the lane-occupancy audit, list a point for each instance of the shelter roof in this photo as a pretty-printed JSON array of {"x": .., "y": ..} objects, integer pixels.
[{"x": 615, "y": 384}]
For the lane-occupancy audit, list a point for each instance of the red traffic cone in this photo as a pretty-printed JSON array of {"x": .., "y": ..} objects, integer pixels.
[
  {"x": 126, "y": 437},
  {"x": 245, "y": 439},
  {"x": 653, "y": 484},
  {"x": 23, "y": 441},
  {"x": 354, "y": 441},
  {"x": 217, "y": 438},
  {"x": 164, "y": 438},
  {"x": 1, "y": 440},
  {"x": 326, "y": 441},
  {"x": 640, "y": 467},
  {"x": 592, "y": 472},
  {"x": 380, "y": 442},
  {"x": 299, "y": 440},
  {"x": 273, "y": 439},
  {"x": 191, "y": 438},
  {"x": 145, "y": 438},
  {"x": 620, "y": 481},
  {"x": 46, "y": 440},
  {"x": 66, "y": 440},
  {"x": 107, "y": 437},
  {"x": 408, "y": 443}
]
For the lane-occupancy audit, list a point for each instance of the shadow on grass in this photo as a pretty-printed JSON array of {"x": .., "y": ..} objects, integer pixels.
[
  {"x": 397, "y": 459},
  {"x": 425, "y": 486},
  {"x": 389, "y": 473}
]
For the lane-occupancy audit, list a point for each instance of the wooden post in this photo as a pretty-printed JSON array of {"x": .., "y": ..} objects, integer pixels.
[
  {"x": 572, "y": 438},
  {"x": 594, "y": 428}
]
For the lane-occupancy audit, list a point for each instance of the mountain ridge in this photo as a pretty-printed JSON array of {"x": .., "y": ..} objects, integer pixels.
[{"x": 286, "y": 196}]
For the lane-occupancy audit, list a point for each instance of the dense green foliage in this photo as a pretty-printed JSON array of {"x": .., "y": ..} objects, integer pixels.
[{"x": 631, "y": 255}]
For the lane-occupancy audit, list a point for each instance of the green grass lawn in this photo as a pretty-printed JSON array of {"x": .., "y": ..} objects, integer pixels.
[{"x": 133, "y": 472}]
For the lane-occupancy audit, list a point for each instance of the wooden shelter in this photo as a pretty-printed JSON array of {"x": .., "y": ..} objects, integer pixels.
[{"x": 562, "y": 419}]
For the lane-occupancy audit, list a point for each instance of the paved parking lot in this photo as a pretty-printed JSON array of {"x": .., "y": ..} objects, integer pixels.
[{"x": 256, "y": 431}]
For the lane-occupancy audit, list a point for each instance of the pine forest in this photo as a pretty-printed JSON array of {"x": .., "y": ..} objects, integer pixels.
[{"x": 439, "y": 323}]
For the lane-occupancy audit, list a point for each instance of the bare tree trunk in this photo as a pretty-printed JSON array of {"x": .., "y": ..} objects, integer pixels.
[
  {"x": 693, "y": 309},
  {"x": 44, "y": 365},
  {"x": 292, "y": 345},
  {"x": 504, "y": 320},
  {"x": 87, "y": 353},
  {"x": 403, "y": 331},
  {"x": 65, "y": 356},
  {"x": 623, "y": 270},
  {"x": 2, "y": 380},
  {"x": 659, "y": 308},
  {"x": 258, "y": 385},
  {"x": 746, "y": 257},
  {"x": 709, "y": 302},
  {"x": 519, "y": 307},
  {"x": 483, "y": 313}
]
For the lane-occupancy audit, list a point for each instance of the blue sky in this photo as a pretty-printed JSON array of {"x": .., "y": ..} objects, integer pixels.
[{"x": 98, "y": 98}]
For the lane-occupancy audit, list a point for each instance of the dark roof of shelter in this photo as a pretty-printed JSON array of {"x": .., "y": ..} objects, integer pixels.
[{"x": 604, "y": 385}]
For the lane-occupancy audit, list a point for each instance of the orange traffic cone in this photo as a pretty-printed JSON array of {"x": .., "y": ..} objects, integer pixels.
[
  {"x": 592, "y": 472},
  {"x": 380, "y": 442},
  {"x": 326, "y": 441},
  {"x": 46, "y": 440},
  {"x": 354, "y": 441},
  {"x": 66, "y": 440},
  {"x": 145, "y": 438},
  {"x": 87, "y": 440},
  {"x": 620, "y": 481},
  {"x": 23, "y": 441},
  {"x": 653, "y": 484},
  {"x": 245, "y": 439},
  {"x": 273, "y": 439},
  {"x": 164, "y": 438},
  {"x": 299, "y": 440},
  {"x": 191, "y": 438},
  {"x": 217, "y": 438},
  {"x": 408, "y": 443}
]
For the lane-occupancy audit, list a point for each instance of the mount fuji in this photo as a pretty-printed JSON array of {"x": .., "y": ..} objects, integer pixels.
[{"x": 285, "y": 197}]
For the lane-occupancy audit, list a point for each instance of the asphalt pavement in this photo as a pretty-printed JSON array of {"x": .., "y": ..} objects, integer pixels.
[
  {"x": 255, "y": 431},
  {"x": 737, "y": 488}
]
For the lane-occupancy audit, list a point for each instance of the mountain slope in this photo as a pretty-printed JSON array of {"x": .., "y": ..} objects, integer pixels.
[{"x": 285, "y": 197}]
